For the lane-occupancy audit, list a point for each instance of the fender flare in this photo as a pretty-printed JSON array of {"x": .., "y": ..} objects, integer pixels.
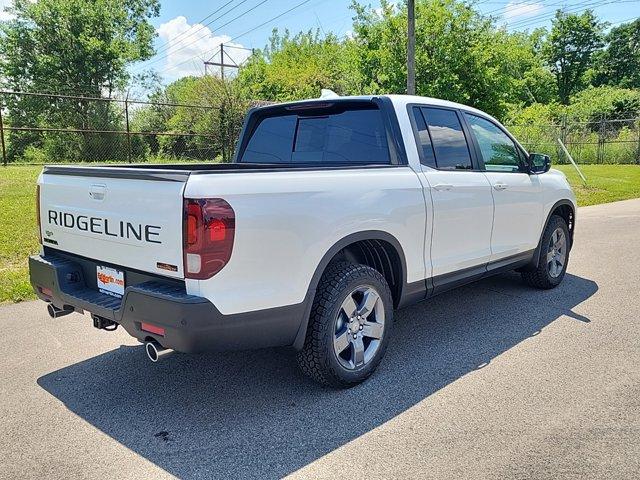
[
  {"x": 326, "y": 259},
  {"x": 536, "y": 254}
]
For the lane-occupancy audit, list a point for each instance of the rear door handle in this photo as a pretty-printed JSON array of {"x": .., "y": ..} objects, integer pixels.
[
  {"x": 442, "y": 186},
  {"x": 500, "y": 186}
]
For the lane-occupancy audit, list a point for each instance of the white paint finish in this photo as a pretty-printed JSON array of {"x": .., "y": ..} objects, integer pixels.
[
  {"x": 555, "y": 187},
  {"x": 136, "y": 201},
  {"x": 518, "y": 213},
  {"x": 462, "y": 219},
  {"x": 520, "y": 209},
  {"x": 286, "y": 221}
]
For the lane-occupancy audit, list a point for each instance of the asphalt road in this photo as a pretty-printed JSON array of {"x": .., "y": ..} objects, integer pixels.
[{"x": 493, "y": 380}]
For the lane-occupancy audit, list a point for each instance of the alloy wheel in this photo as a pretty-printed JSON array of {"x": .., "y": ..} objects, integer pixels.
[
  {"x": 557, "y": 252},
  {"x": 359, "y": 327}
]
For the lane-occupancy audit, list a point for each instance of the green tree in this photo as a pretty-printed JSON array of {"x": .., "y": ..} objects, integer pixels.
[
  {"x": 619, "y": 63},
  {"x": 570, "y": 48},
  {"x": 79, "y": 47},
  {"x": 75, "y": 46},
  {"x": 605, "y": 102},
  {"x": 296, "y": 67},
  {"x": 201, "y": 117},
  {"x": 460, "y": 56}
]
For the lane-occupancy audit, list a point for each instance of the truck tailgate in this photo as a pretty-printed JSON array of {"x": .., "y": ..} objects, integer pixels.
[{"x": 115, "y": 215}]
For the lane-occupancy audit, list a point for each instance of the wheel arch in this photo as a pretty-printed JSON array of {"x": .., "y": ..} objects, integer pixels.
[
  {"x": 376, "y": 248},
  {"x": 564, "y": 208}
]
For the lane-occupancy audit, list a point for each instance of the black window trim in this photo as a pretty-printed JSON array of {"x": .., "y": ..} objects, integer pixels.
[
  {"x": 416, "y": 134},
  {"x": 522, "y": 155},
  {"x": 476, "y": 162},
  {"x": 397, "y": 154}
]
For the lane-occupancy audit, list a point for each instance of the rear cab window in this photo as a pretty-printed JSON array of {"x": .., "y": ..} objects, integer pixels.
[{"x": 338, "y": 133}]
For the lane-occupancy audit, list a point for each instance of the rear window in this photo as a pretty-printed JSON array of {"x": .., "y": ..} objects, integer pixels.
[{"x": 345, "y": 136}]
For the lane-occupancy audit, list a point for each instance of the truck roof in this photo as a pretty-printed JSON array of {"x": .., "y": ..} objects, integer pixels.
[{"x": 398, "y": 100}]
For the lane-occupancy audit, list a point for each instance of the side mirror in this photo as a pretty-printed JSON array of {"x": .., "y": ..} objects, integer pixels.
[{"x": 539, "y": 163}]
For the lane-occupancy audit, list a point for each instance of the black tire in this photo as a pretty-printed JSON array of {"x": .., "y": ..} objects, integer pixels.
[
  {"x": 318, "y": 359},
  {"x": 541, "y": 276}
]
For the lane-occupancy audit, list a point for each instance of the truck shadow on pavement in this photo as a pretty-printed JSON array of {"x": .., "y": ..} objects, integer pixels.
[{"x": 253, "y": 415}]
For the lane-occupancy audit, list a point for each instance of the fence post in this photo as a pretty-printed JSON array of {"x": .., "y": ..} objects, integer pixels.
[
  {"x": 4, "y": 148},
  {"x": 563, "y": 131},
  {"x": 126, "y": 115},
  {"x": 637, "y": 122},
  {"x": 601, "y": 139}
]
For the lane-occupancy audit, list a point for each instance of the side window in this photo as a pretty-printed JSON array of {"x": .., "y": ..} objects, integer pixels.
[
  {"x": 424, "y": 140},
  {"x": 498, "y": 150},
  {"x": 449, "y": 143}
]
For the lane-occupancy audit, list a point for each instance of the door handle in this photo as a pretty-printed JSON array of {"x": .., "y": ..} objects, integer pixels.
[
  {"x": 500, "y": 186},
  {"x": 442, "y": 186}
]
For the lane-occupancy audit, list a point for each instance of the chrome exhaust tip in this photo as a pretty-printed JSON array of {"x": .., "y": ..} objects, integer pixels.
[
  {"x": 55, "y": 312},
  {"x": 155, "y": 351}
]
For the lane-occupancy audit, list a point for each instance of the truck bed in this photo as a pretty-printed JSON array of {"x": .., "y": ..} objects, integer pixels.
[{"x": 181, "y": 171}]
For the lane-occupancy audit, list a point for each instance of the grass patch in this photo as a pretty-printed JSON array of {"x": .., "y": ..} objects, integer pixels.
[
  {"x": 605, "y": 183},
  {"x": 18, "y": 233}
]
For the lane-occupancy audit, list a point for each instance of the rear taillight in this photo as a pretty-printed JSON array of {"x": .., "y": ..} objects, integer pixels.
[
  {"x": 39, "y": 223},
  {"x": 209, "y": 230}
]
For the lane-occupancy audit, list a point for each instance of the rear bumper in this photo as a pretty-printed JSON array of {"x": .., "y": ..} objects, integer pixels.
[{"x": 192, "y": 324}]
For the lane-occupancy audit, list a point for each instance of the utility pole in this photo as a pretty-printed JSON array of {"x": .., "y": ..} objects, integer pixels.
[
  {"x": 222, "y": 60},
  {"x": 411, "y": 47},
  {"x": 230, "y": 63}
]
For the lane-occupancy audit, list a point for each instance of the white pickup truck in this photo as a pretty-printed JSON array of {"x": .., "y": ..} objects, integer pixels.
[{"x": 334, "y": 213}]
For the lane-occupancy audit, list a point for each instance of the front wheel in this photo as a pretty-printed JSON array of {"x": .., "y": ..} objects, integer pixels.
[
  {"x": 349, "y": 326},
  {"x": 554, "y": 256}
]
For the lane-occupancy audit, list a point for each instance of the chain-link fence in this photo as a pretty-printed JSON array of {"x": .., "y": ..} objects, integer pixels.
[
  {"x": 599, "y": 141},
  {"x": 51, "y": 128}
]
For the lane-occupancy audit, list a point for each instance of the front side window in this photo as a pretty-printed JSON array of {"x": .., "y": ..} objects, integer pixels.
[
  {"x": 345, "y": 136},
  {"x": 449, "y": 143},
  {"x": 499, "y": 153}
]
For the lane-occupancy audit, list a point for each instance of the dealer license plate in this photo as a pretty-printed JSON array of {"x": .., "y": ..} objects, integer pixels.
[{"x": 110, "y": 281}]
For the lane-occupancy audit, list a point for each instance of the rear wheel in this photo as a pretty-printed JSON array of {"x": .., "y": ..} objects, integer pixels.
[
  {"x": 554, "y": 256},
  {"x": 349, "y": 326}
]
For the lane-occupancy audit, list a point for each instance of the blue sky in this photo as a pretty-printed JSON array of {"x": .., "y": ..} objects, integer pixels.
[{"x": 184, "y": 39}]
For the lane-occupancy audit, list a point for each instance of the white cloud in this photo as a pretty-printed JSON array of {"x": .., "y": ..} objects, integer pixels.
[
  {"x": 187, "y": 46},
  {"x": 520, "y": 8},
  {"x": 5, "y": 15}
]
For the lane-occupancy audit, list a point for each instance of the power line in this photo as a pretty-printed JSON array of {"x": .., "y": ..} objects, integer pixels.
[
  {"x": 239, "y": 36},
  {"x": 575, "y": 8},
  {"x": 630, "y": 19},
  {"x": 202, "y": 27},
  {"x": 200, "y": 22},
  {"x": 545, "y": 6},
  {"x": 520, "y": 4},
  {"x": 270, "y": 20},
  {"x": 170, "y": 52}
]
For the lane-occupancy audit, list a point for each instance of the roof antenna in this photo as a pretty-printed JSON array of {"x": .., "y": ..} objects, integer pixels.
[{"x": 327, "y": 93}]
